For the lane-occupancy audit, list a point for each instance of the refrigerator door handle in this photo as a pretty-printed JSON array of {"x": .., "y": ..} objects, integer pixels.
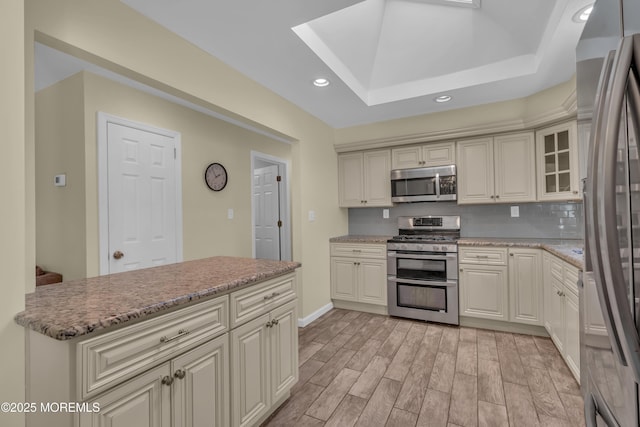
[
  {"x": 591, "y": 208},
  {"x": 612, "y": 271}
]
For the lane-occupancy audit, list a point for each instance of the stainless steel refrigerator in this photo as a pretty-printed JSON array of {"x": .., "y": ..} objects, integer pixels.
[{"x": 608, "y": 97}]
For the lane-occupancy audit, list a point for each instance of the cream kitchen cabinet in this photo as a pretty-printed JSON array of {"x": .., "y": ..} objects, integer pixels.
[
  {"x": 415, "y": 156},
  {"x": 190, "y": 390},
  {"x": 202, "y": 364},
  {"x": 265, "y": 355},
  {"x": 484, "y": 283},
  {"x": 364, "y": 179},
  {"x": 497, "y": 169},
  {"x": 359, "y": 273},
  {"x": 561, "y": 309},
  {"x": 501, "y": 284},
  {"x": 557, "y": 158},
  {"x": 525, "y": 286}
]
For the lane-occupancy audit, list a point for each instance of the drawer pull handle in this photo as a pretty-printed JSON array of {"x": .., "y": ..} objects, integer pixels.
[
  {"x": 180, "y": 374},
  {"x": 273, "y": 295},
  {"x": 167, "y": 380},
  {"x": 482, "y": 256},
  {"x": 180, "y": 333}
]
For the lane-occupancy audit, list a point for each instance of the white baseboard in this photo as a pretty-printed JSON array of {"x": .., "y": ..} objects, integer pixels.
[{"x": 313, "y": 316}]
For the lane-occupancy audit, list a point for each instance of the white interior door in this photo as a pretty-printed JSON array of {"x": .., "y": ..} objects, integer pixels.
[
  {"x": 266, "y": 204},
  {"x": 142, "y": 205}
]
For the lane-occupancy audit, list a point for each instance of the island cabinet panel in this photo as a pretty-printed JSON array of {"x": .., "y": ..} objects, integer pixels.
[
  {"x": 185, "y": 368},
  {"x": 265, "y": 355},
  {"x": 142, "y": 402},
  {"x": 116, "y": 356},
  {"x": 201, "y": 385}
]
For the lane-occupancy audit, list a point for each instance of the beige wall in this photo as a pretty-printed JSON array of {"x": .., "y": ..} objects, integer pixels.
[
  {"x": 12, "y": 208},
  {"x": 142, "y": 49},
  {"x": 548, "y": 105},
  {"x": 59, "y": 148}
]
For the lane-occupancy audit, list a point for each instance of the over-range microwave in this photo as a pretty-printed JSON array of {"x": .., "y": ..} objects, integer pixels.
[{"x": 430, "y": 184}]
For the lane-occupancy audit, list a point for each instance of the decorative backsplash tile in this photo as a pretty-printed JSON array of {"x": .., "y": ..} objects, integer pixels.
[{"x": 536, "y": 220}]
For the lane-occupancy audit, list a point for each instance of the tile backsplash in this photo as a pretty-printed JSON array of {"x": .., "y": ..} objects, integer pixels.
[{"x": 536, "y": 220}]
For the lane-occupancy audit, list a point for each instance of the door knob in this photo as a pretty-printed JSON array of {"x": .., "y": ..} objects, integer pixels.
[{"x": 118, "y": 254}]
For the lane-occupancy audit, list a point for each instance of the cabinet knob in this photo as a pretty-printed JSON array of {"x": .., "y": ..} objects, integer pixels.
[
  {"x": 510, "y": 254},
  {"x": 493, "y": 197},
  {"x": 460, "y": 270},
  {"x": 180, "y": 374},
  {"x": 498, "y": 196},
  {"x": 575, "y": 192},
  {"x": 167, "y": 380}
]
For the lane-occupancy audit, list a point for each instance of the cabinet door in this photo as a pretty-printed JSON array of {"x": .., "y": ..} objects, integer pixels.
[
  {"x": 572, "y": 332},
  {"x": 475, "y": 171},
  {"x": 350, "y": 180},
  {"x": 525, "y": 286},
  {"x": 556, "y": 149},
  {"x": 515, "y": 168},
  {"x": 440, "y": 154},
  {"x": 250, "y": 372},
  {"x": 406, "y": 157},
  {"x": 483, "y": 291},
  {"x": 143, "y": 401},
  {"x": 377, "y": 178},
  {"x": 201, "y": 385},
  {"x": 372, "y": 281},
  {"x": 284, "y": 349},
  {"x": 556, "y": 314},
  {"x": 344, "y": 278}
]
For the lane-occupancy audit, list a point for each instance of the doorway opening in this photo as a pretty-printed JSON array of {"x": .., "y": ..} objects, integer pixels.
[{"x": 270, "y": 210}]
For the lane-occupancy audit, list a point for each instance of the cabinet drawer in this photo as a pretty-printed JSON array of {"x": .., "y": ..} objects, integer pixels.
[
  {"x": 109, "y": 359},
  {"x": 571, "y": 278},
  {"x": 257, "y": 300},
  {"x": 367, "y": 250},
  {"x": 556, "y": 268},
  {"x": 483, "y": 255}
]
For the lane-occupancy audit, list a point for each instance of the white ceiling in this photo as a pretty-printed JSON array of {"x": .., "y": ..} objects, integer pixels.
[{"x": 385, "y": 59}]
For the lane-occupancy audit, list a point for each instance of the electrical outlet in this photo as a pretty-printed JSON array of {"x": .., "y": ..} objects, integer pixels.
[
  {"x": 312, "y": 216},
  {"x": 515, "y": 211},
  {"x": 230, "y": 213},
  {"x": 60, "y": 180},
  {"x": 385, "y": 213}
]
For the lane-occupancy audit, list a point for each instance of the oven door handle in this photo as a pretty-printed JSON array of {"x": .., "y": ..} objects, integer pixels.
[
  {"x": 447, "y": 284},
  {"x": 395, "y": 254}
]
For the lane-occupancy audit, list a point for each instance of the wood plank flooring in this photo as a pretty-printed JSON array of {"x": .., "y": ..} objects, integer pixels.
[{"x": 361, "y": 369}]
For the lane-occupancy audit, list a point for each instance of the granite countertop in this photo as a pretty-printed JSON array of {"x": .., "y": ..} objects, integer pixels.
[
  {"x": 354, "y": 238},
  {"x": 562, "y": 248},
  {"x": 80, "y": 307},
  {"x": 566, "y": 249}
]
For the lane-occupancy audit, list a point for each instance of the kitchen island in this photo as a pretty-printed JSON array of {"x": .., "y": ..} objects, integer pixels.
[{"x": 212, "y": 340}]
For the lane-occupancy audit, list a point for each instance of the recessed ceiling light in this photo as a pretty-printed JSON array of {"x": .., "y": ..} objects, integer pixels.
[
  {"x": 582, "y": 15},
  {"x": 321, "y": 82},
  {"x": 442, "y": 98}
]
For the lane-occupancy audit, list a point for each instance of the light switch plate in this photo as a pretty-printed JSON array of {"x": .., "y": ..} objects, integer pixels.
[
  {"x": 312, "y": 216},
  {"x": 230, "y": 213},
  {"x": 515, "y": 211},
  {"x": 385, "y": 213}
]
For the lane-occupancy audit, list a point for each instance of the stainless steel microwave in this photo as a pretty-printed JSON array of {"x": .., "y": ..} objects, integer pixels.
[{"x": 431, "y": 184}]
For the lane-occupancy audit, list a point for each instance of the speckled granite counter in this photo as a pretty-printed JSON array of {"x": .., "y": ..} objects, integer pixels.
[
  {"x": 359, "y": 239},
  {"x": 79, "y": 307},
  {"x": 562, "y": 248}
]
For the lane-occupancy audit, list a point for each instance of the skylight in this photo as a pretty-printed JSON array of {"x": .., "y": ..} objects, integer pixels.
[{"x": 475, "y": 4}]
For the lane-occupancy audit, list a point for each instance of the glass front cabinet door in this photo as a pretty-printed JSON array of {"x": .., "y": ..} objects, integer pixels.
[{"x": 558, "y": 175}]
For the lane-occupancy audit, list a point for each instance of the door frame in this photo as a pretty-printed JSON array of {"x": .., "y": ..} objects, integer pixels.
[
  {"x": 103, "y": 119},
  {"x": 285, "y": 208}
]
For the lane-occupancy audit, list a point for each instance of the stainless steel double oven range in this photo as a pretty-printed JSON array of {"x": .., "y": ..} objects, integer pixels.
[{"x": 422, "y": 269}]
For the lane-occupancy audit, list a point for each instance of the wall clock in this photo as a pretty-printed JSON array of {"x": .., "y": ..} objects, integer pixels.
[{"x": 216, "y": 176}]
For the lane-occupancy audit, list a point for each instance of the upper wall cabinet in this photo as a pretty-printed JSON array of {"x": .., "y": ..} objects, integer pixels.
[
  {"x": 497, "y": 170},
  {"x": 558, "y": 175},
  {"x": 364, "y": 179},
  {"x": 415, "y": 156}
]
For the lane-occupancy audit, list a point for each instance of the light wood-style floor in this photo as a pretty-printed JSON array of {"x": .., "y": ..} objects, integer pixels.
[{"x": 370, "y": 370}]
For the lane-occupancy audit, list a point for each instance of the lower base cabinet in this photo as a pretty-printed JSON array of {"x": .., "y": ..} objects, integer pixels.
[
  {"x": 190, "y": 390},
  {"x": 265, "y": 355},
  {"x": 484, "y": 291},
  {"x": 562, "y": 309}
]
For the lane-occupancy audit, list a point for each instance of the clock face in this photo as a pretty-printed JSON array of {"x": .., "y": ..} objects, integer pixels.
[{"x": 215, "y": 176}]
